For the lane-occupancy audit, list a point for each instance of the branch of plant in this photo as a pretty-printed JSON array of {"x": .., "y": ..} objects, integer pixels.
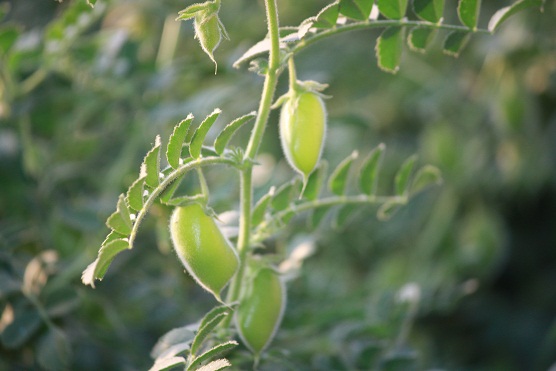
[
  {"x": 371, "y": 24},
  {"x": 246, "y": 193}
]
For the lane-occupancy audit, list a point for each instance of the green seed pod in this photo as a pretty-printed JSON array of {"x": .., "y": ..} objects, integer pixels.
[
  {"x": 302, "y": 130},
  {"x": 205, "y": 252},
  {"x": 260, "y": 310}
]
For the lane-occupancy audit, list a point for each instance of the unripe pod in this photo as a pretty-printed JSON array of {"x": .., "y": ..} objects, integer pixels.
[
  {"x": 205, "y": 252},
  {"x": 260, "y": 310},
  {"x": 302, "y": 130}
]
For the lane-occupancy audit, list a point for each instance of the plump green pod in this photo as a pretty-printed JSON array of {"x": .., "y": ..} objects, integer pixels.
[
  {"x": 205, "y": 252},
  {"x": 302, "y": 130},
  {"x": 260, "y": 310}
]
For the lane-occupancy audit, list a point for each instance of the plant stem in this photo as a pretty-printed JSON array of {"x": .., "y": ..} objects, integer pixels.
[
  {"x": 246, "y": 177},
  {"x": 291, "y": 71}
]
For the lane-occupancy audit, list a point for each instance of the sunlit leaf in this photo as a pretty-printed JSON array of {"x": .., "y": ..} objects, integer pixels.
[
  {"x": 403, "y": 176},
  {"x": 429, "y": 10},
  {"x": 228, "y": 132},
  {"x": 167, "y": 363},
  {"x": 192, "y": 10},
  {"x": 211, "y": 353},
  {"x": 368, "y": 177},
  {"x": 175, "y": 143},
  {"x": 356, "y": 9},
  {"x": 328, "y": 16},
  {"x": 468, "y": 12},
  {"x": 201, "y": 132},
  {"x": 120, "y": 220},
  {"x": 135, "y": 194},
  {"x": 389, "y": 48},
  {"x": 420, "y": 38},
  {"x": 176, "y": 336},
  {"x": 216, "y": 365},
  {"x": 151, "y": 165},
  {"x": 339, "y": 177},
  {"x": 107, "y": 253},
  {"x": 455, "y": 42},
  {"x": 393, "y": 9},
  {"x": 503, "y": 14}
]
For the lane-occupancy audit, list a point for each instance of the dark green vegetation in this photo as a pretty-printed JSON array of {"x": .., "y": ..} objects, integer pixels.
[{"x": 461, "y": 278}]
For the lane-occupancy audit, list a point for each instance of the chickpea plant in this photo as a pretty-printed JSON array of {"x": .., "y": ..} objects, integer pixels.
[{"x": 256, "y": 295}]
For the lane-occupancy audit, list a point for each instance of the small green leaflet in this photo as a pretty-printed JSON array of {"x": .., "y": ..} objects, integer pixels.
[
  {"x": 151, "y": 165},
  {"x": 260, "y": 207},
  {"x": 318, "y": 214},
  {"x": 106, "y": 254},
  {"x": 368, "y": 177},
  {"x": 201, "y": 132},
  {"x": 338, "y": 179},
  {"x": 120, "y": 220},
  {"x": 393, "y": 9},
  {"x": 503, "y": 14},
  {"x": 403, "y": 176},
  {"x": 468, "y": 12},
  {"x": 209, "y": 322},
  {"x": 356, "y": 9},
  {"x": 135, "y": 194},
  {"x": 91, "y": 3},
  {"x": 344, "y": 214},
  {"x": 429, "y": 10},
  {"x": 389, "y": 49},
  {"x": 215, "y": 365},
  {"x": 177, "y": 338},
  {"x": 193, "y": 9},
  {"x": 228, "y": 132},
  {"x": 285, "y": 195},
  {"x": 175, "y": 143},
  {"x": 315, "y": 182},
  {"x": 328, "y": 16},
  {"x": 167, "y": 363},
  {"x": 455, "y": 42},
  {"x": 420, "y": 38},
  {"x": 211, "y": 353},
  {"x": 427, "y": 176}
]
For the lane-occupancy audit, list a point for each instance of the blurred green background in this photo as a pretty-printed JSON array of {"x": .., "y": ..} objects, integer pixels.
[{"x": 462, "y": 278}]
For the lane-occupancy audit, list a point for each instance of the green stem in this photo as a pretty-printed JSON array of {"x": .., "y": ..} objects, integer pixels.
[
  {"x": 291, "y": 71},
  {"x": 369, "y": 24},
  {"x": 246, "y": 194}
]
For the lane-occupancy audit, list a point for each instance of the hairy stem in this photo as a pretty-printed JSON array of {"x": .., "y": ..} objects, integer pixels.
[{"x": 246, "y": 194}]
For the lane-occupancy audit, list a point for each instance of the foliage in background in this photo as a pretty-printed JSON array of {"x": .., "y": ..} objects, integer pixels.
[{"x": 460, "y": 278}]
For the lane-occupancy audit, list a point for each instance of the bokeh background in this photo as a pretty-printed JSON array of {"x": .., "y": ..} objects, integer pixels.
[{"x": 462, "y": 278}]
